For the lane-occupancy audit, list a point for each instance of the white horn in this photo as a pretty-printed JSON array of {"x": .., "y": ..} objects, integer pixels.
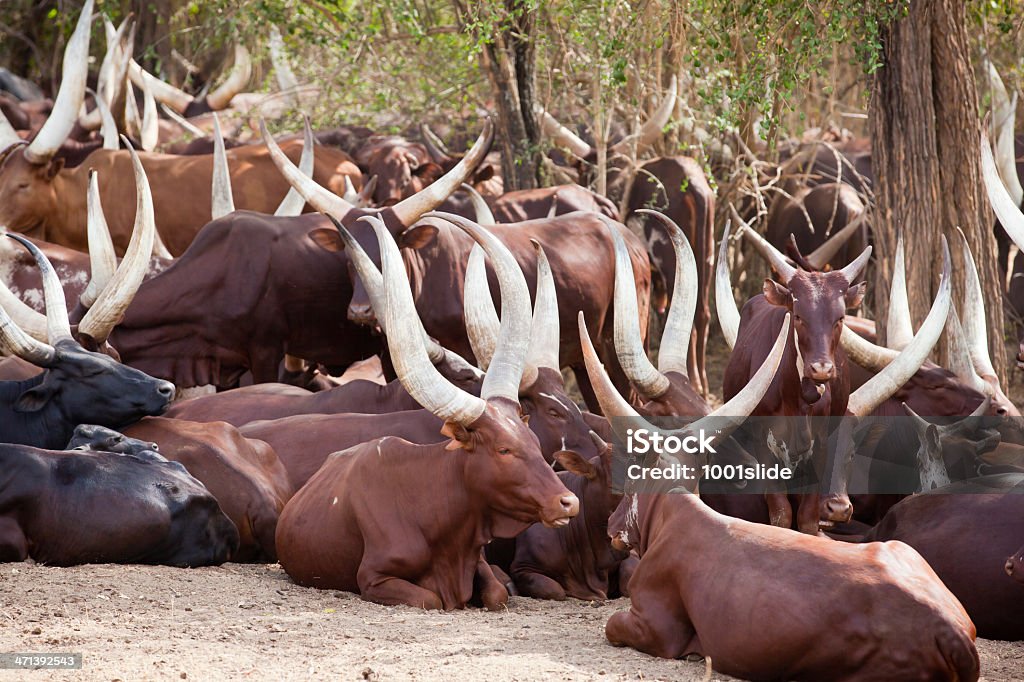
[
  {"x": 102, "y": 259},
  {"x": 482, "y": 323},
  {"x": 165, "y": 93},
  {"x": 1006, "y": 210},
  {"x": 653, "y": 129},
  {"x": 58, "y": 328},
  {"x": 150, "y": 133},
  {"x": 880, "y": 387},
  {"x": 562, "y": 136},
  {"x": 237, "y": 80},
  {"x": 483, "y": 211},
  {"x": 725, "y": 304},
  {"x": 69, "y": 98},
  {"x": 108, "y": 129},
  {"x": 824, "y": 254},
  {"x": 293, "y": 202},
  {"x": 115, "y": 298},
  {"x": 286, "y": 81},
  {"x": 774, "y": 257},
  {"x": 544, "y": 336},
  {"x": 899, "y": 328},
  {"x": 189, "y": 127},
  {"x": 959, "y": 356},
  {"x": 975, "y": 325},
  {"x": 1004, "y": 115},
  {"x": 223, "y": 202},
  {"x": 853, "y": 270}
]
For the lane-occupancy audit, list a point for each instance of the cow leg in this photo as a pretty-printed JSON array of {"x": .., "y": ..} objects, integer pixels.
[
  {"x": 13, "y": 544},
  {"x": 538, "y": 586},
  {"x": 626, "y": 568},
  {"x": 653, "y": 625},
  {"x": 780, "y": 513},
  {"x": 492, "y": 593},
  {"x": 389, "y": 590},
  {"x": 808, "y": 513}
]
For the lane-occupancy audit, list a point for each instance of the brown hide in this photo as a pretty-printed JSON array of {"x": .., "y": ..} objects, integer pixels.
[
  {"x": 830, "y": 207},
  {"x": 54, "y": 205},
  {"x": 965, "y": 531},
  {"x": 708, "y": 584},
  {"x": 245, "y": 475}
]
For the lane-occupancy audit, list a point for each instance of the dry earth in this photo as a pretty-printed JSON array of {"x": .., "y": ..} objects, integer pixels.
[{"x": 251, "y": 623}]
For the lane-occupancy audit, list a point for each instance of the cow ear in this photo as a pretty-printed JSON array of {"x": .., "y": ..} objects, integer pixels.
[
  {"x": 34, "y": 399},
  {"x": 429, "y": 169},
  {"x": 776, "y": 294},
  {"x": 417, "y": 237},
  {"x": 574, "y": 462},
  {"x": 326, "y": 239},
  {"x": 460, "y": 436},
  {"x": 855, "y": 295},
  {"x": 484, "y": 173},
  {"x": 931, "y": 437}
]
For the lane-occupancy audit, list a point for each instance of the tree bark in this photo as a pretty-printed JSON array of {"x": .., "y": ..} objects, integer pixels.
[{"x": 924, "y": 133}]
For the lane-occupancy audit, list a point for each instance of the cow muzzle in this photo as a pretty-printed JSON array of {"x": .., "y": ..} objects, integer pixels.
[
  {"x": 836, "y": 509},
  {"x": 563, "y": 508},
  {"x": 821, "y": 372},
  {"x": 362, "y": 314}
]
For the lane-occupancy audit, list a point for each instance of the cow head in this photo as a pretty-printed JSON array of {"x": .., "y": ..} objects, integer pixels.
[
  {"x": 27, "y": 196},
  {"x": 554, "y": 417},
  {"x": 78, "y": 386},
  {"x": 958, "y": 446},
  {"x": 504, "y": 469},
  {"x": 402, "y": 168},
  {"x": 596, "y": 492}
]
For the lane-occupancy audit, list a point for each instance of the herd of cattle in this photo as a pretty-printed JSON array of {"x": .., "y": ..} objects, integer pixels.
[{"x": 463, "y": 471}]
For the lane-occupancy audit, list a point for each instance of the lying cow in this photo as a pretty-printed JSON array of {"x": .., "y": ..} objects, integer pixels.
[
  {"x": 75, "y": 507},
  {"x": 405, "y": 524},
  {"x": 245, "y": 475},
  {"x": 965, "y": 531},
  {"x": 708, "y": 584},
  {"x": 575, "y": 561}
]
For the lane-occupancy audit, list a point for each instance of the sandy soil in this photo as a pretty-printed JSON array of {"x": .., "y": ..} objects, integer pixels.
[{"x": 250, "y": 622}]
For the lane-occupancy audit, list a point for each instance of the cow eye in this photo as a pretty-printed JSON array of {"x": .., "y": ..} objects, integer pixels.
[
  {"x": 555, "y": 414},
  {"x": 505, "y": 451}
]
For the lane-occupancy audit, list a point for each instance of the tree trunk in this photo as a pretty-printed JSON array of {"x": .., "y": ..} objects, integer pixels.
[
  {"x": 924, "y": 136},
  {"x": 509, "y": 60}
]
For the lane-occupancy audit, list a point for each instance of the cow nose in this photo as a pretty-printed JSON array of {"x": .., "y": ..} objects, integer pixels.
[
  {"x": 1009, "y": 567},
  {"x": 839, "y": 510},
  {"x": 570, "y": 504},
  {"x": 361, "y": 314},
  {"x": 821, "y": 371},
  {"x": 166, "y": 389}
]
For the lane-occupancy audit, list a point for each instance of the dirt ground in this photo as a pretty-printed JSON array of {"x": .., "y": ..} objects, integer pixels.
[{"x": 250, "y": 622}]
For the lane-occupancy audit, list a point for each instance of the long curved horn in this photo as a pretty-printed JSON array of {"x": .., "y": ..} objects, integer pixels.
[
  {"x": 223, "y": 202},
  {"x": 484, "y": 216},
  {"x": 508, "y": 362},
  {"x": 321, "y": 199},
  {"x": 544, "y": 335},
  {"x": 108, "y": 129},
  {"x": 562, "y": 136},
  {"x": 293, "y": 202},
  {"x": 1004, "y": 114},
  {"x": 132, "y": 119},
  {"x": 959, "y": 355},
  {"x": 629, "y": 348},
  {"x": 654, "y": 128},
  {"x": 405, "y": 343},
  {"x": 899, "y": 329},
  {"x": 675, "y": 339},
  {"x": 824, "y": 254},
  {"x": 189, "y": 127},
  {"x": 237, "y": 80},
  {"x": 69, "y": 98},
  {"x": 373, "y": 282},
  {"x": 880, "y": 387},
  {"x": 1010, "y": 216},
  {"x": 115, "y": 298},
  {"x": 482, "y": 323},
  {"x": 974, "y": 320},
  {"x": 58, "y": 327},
  {"x": 150, "y": 133},
  {"x": 286, "y": 81},
  {"x": 725, "y": 304},
  {"x": 22, "y": 345},
  {"x": 767, "y": 251},
  {"x": 435, "y": 147},
  {"x": 410, "y": 209},
  {"x": 115, "y": 61},
  {"x": 722, "y": 420},
  {"x": 853, "y": 270},
  {"x": 864, "y": 353},
  {"x": 165, "y": 93},
  {"x": 102, "y": 259}
]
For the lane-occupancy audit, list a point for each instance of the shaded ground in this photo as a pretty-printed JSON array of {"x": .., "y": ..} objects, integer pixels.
[{"x": 250, "y": 622}]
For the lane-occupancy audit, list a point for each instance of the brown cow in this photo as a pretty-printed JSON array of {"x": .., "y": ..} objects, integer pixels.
[
  {"x": 76, "y": 507},
  {"x": 815, "y": 213},
  {"x": 965, "y": 531},
  {"x": 402, "y": 168},
  {"x": 575, "y": 561},
  {"x": 344, "y": 529},
  {"x": 707, "y": 584}
]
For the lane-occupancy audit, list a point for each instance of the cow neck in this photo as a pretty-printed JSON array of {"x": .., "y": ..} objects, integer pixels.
[
  {"x": 44, "y": 428},
  {"x": 593, "y": 516}
]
